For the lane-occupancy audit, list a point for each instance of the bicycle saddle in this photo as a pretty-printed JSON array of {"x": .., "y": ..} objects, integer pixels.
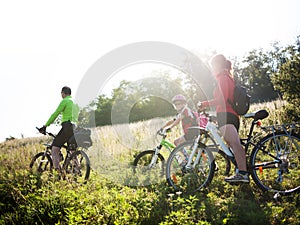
[{"x": 259, "y": 115}]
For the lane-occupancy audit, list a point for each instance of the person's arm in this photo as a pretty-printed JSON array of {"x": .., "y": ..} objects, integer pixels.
[
  {"x": 54, "y": 115},
  {"x": 172, "y": 123},
  {"x": 175, "y": 122},
  {"x": 205, "y": 104},
  {"x": 221, "y": 95},
  {"x": 168, "y": 123}
]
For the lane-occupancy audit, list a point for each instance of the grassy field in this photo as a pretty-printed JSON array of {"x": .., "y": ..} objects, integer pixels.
[{"x": 115, "y": 195}]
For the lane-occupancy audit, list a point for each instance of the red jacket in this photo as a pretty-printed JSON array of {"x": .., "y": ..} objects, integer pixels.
[{"x": 222, "y": 93}]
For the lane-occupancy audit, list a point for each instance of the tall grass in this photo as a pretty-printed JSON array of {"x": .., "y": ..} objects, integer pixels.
[
  {"x": 114, "y": 195},
  {"x": 115, "y": 148}
]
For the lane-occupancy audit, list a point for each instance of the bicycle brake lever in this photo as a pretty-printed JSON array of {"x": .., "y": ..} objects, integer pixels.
[{"x": 39, "y": 129}]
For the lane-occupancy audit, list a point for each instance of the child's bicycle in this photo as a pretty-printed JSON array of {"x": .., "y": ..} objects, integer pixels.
[
  {"x": 75, "y": 163},
  {"x": 154, "y": 160},
  {"x": 274, "y": 162}
]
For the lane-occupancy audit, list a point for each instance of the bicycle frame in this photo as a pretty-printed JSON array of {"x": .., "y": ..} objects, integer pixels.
[
  {"x": 212, "y": 128},
  {"x": 168, "y": 145}
]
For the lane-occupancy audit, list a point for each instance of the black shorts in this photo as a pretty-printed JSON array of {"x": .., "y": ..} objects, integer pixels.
[
  {"x": 64, "y": 134},
  {"x": 228, "y": 118}
]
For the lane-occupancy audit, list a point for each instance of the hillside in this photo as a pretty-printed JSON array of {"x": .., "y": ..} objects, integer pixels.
[{"x": 115, "y": 195}]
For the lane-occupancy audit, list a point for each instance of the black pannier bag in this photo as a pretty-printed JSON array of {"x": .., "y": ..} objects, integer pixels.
[{"x": 81, "y": 138}]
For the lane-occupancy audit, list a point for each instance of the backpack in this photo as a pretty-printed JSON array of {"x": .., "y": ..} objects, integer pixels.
[
  {"x": 241, "y": 100},
  {"x": 202, "y": 120},
  {"x": 199, "y": 119},
  {"x": 81, "y": 138}
]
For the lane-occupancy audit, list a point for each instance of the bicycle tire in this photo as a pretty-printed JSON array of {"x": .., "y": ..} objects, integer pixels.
[
  {"x": 143, "y": 160},
  {"x": 266, "y": 171},
  {"x": 223, "y": 164},
  {"x": 193, "y": 179},
  {"x": 77, "y": 167},
  {"x": 41, "y": 162}
]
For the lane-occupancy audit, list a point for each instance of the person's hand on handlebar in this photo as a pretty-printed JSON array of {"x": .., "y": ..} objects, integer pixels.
[
  {"x": 163, "y": 131},
  {"x": 42, "y": 130},
  {"x": 200, "y": 106}
]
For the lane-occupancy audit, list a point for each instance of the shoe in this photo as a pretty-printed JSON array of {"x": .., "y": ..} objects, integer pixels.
[{"x": 237, "y": 178}]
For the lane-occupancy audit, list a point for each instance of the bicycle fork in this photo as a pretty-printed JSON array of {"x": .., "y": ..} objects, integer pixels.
[
  {"x": 155, "y": 156},
  {"x": 190, "y": 159}
]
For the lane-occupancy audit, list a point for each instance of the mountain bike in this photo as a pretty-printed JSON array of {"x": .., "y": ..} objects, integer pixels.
[
  {"x": 154, "y": 160},
  {"x": 75, "y": 163},
  {"x": 274, "y": 162}
]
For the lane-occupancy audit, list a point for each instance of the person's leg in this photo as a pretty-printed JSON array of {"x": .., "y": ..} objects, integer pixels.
[
  {"x": 61, "y": 138},
  {"x": 231, "y": 136},
  {"x": 190, "y": 135},
  {"x": 179, "y": 140},
  {"x": 55, "y": 152}
]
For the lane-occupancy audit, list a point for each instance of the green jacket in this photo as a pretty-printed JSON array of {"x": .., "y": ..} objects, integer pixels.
[{"x": 68, "y": 109}]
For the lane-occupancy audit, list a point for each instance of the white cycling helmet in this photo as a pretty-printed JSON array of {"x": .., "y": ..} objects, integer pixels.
[{"x": 178, "y": 98}]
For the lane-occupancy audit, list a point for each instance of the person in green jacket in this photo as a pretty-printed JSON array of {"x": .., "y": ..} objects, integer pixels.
[{"x": 69, "y": 111}]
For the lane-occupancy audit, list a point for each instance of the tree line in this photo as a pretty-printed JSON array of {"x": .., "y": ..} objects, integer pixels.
[{"x": 267, "y": 74}]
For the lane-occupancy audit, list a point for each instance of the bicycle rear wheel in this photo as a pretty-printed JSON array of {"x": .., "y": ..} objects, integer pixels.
[
  {"x": 189, "y": 180},
  {"x": 142, "y": 163},
  {"x": 275, "y": 163},
  {"x": 77, "y": 167}
]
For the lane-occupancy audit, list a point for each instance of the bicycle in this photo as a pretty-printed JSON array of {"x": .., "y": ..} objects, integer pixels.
[
  {"x": 273, "y": 163},
  {"x": 151, "y": 159},
  {"x": 75, "y": 163}
]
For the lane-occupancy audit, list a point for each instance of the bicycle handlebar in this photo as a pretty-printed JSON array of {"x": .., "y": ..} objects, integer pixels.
[{"x": 46, "y": 133}]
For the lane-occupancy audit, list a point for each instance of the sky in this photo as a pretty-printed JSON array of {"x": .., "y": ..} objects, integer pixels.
[{"x": 46, "y": 45}]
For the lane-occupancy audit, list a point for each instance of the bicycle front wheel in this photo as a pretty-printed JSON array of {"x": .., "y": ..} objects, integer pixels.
[
  {"x": 145, "y": 161},
  {"x": 41, "y": 162},
  {"x": 77, "y": 167},
  {"x": 193, "y": 178},
  {"x": 275, "y": 163}
]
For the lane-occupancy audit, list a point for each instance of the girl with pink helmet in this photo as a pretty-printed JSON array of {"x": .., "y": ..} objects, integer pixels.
[{"x": 184, "y": 115}]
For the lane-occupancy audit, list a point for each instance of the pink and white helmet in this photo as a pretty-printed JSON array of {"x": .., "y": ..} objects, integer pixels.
[{"x": 178, "y": 98}]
